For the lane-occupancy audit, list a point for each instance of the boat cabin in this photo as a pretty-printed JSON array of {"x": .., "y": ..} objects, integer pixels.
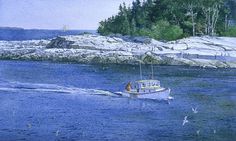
[{"x": 146, "y": 86}]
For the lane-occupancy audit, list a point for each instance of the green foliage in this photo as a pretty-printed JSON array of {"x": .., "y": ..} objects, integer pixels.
[
  {"x": 168, "y": 19},
  {"x": 231, "y": 32},
  {"x": 173, "y": 32},
  {"x": 163, "y": 30},
  {"x": 159, "y": 29},
  {"x": 144, "y": 32}
]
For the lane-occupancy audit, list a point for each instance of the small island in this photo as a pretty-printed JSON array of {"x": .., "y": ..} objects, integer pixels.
[
  {"x": 186, "y": 32},
  {"x": 213, "y": 52}
]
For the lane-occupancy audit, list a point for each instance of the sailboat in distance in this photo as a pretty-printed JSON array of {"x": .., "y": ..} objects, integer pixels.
[
  {"x": 146, "y": 89},
  {"x": 64, "y": 28}
]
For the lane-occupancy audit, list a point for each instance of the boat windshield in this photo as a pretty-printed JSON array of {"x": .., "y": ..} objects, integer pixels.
[{"x": 147, "y": 83}]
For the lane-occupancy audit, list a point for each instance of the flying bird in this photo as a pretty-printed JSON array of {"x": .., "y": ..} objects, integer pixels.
[
  {"x": 198, "y": 132},
  {"x": 214, "y": 131},
  {"x": 57, "y": 132},
  {"x": 185, "y": 120},
  {"x": 194, "y": 110},
  {"x": 168, "y": 101},
  {"x": 13, "y": 113},
  {"x": 29, "y": 125}
]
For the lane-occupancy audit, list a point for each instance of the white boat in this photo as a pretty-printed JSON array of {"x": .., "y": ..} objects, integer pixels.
[{"x": 146, "y": 89}]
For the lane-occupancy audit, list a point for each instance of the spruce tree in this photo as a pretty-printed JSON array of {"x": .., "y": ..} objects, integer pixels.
[{"x": 207, "y": 17}]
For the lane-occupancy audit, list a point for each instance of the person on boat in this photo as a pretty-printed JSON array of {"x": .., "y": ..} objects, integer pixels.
[{"x": 128, "y": 87}]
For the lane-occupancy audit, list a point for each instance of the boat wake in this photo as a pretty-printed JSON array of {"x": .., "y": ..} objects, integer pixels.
[
  {"x": 50, "y": 88},
  {"x": 18, "y": 87}
]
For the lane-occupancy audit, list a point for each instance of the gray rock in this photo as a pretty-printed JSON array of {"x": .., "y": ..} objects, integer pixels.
[
  {"x": 59, "y": 42},
  {"x": 135, "y": 39},
  {"x": 93, "y": 49}
]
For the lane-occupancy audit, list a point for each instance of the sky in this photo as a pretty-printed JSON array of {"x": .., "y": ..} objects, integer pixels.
[{"x": 54, "y": 14}]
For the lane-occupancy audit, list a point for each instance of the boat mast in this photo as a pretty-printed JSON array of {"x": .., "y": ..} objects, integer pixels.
[
  {"x": 152, "y": 70},
  {"x": 64, "y": 28},
  {"x": 140, "y": 70}
]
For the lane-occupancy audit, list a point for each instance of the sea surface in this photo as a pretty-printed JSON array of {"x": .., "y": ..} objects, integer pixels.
[
  {"x": 20, "y": 34},
  {"x": 42, "y": 101}
]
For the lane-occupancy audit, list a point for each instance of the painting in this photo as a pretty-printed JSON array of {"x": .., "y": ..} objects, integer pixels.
[{"x": 120, "y": 70}]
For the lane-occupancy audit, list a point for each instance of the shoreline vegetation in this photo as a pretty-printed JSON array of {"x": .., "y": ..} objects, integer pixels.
[{"x": 171, "y": 20}]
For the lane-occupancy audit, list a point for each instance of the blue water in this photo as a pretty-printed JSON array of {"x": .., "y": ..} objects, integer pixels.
[
  {"x": 50, "y": 101},
  {"x": 18, "y": 34}
]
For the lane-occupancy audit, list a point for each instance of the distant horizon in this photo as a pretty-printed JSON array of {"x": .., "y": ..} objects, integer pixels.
[{"x": 2, "y": 27}]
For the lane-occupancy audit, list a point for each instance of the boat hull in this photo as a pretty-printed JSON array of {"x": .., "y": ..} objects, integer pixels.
[{"x": 158, "y": 95}]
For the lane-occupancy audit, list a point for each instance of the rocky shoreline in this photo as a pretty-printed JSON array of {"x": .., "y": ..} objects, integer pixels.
[{"x": 210, "y": 52}]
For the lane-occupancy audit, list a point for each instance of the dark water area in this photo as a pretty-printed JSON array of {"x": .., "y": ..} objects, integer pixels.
[
  {"x": 18, "y": 34},
  {"x": 52, "y": 101}
]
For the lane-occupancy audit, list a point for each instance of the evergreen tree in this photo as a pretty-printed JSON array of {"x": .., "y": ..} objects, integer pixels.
[
  {"x": 133, "y": 27},
  {"x": 125, "y": 25},
  {"x": 168, "y": 19}
]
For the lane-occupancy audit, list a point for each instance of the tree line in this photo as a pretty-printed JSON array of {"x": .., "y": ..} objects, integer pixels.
[{"x": 171, "y": 19}]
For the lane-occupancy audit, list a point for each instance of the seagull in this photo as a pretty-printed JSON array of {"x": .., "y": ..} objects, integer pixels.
[
  {"x": 198, "y": 132},
  {"x": 168, "y": 102},
  {"x": 13, "y": 113},
  {"x": 194, "y": 110},
  {"x": 57, "y": 132},
  {"x": 214, "y": 131},
  {"x": 185, "y": 120},
  {"x": 143, "y": 105},
  {"x": 29, "y": 125}
]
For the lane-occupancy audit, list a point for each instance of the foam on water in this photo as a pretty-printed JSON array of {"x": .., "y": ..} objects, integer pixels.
[{"x": 50, "y": 88}]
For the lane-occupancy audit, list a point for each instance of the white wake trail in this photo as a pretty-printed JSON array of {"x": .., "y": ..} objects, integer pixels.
[{"x": 51, "y": 88}]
